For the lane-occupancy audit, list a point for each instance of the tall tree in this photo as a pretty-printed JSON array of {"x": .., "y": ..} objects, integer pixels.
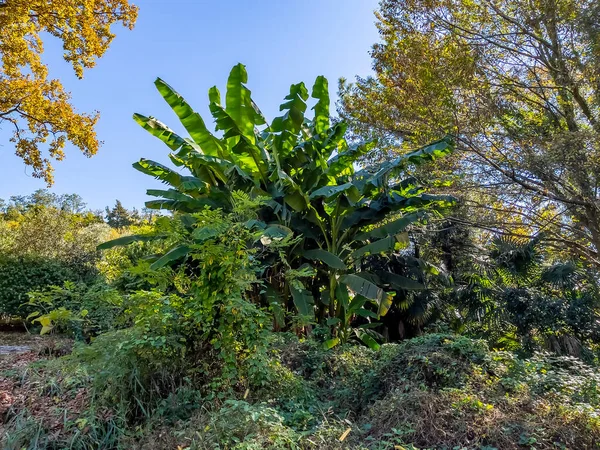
[
  {"x": 36, "y": 106},
  {"x": 119, "y": 216},
  {"x": 518, "y": 82}
]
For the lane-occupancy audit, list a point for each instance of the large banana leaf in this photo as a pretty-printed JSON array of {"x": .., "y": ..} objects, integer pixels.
[
  {"x": 392, "y": 228},
  {"x": 170, "y": 257},
  {"x": 326, "y": 257},
  {"x": 385, "y": 245},
  {"x": 239, "y": 105},
  {"x": 320, "y": 91},
  {"x": 372, "y": 179},
  {"x": 126, "y": 240},
  {"x": 367, "y": 339},
  {"x": 342, "y": 164},
  {"x": 399, "y": 282},
  {"x": 363, "y": 287},
  {"x": 160, "y": 130},
  {"x": 167, "y": 175},
  {"x": 303, "y": 300},
  {"x": 287, "y": 127}
]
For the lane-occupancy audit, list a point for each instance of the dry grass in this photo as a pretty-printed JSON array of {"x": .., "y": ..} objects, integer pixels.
[{"x": 458, "y": 419}]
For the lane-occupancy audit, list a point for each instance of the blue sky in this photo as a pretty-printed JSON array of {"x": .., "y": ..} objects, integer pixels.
[{"x": 192, "y": 44}]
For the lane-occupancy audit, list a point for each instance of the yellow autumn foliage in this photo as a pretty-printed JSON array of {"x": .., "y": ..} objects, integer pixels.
[{"x": 36, "y": 106}]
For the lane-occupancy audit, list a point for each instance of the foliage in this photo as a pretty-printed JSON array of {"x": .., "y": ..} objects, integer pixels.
[
  {"x": 119, "y": 266},
  {"x": 193, "y": 326},
  {"x": 518, "y": 296},
  {"x": 120, "y": 217},
  {"x": 20, "y": 275},
  {"x": 336, "y": 213},
  {"x": 39, "y": 107},
  {"x": 45, "y": 240},
  {"x": 43, "y": 229},
  {"x": 72, "y": 203},
  {"x": 358, "y": 399},
  {"x": 79, "y": 310},
  {"x": 527, "y": 138}
]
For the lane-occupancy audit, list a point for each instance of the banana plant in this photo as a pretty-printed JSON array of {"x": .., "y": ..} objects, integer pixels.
[{"x": 316, "y": 188}]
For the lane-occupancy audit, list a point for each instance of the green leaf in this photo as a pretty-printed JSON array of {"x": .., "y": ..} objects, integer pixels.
[
  {"x": 362, "y": 312},
  {"x": 363, "y": 287},
  {"x": 320, "y": 91},
  {"x": 385, "y": 245},
  {"x": 185, "y": 205},
  {"x": 33, "y": 315},
  {"x": 343, "y": 163},
  {"x": 238, "y": 102},
  {"x": 372, "y": 179},
  {"x": 392, "y": 228},
  {"x": 303, "y": 300},
  {"x": 126, "y": 240},
  {"x": 385, "y": 304},
  {"x": 356, "y": 304},
  {"x": 170, "y": 257},
  {"x": 161, "y": 131},
  {"x": 296, "y": 200},
  {"x": 326, "y": 257},
  {"x": 330, "y": 343},
  {"x": 367, "y": 339},
  {"x": 277, "y": 231},
  {"x": 399, "y": 282},
  {"x": 169, "y": 176},
  {"x": 330, "y": 192},
  {"x": 204, "y": 233},
  {"x": 333, "y": 321},
  {"x": 191, "y": 120},
  {"x": 289, "y": 125}
]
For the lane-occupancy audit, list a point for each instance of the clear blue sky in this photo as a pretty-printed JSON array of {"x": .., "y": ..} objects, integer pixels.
[{"x": 192, "y": 44}]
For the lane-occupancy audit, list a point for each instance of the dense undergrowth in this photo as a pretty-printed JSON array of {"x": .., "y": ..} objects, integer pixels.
[{"x": 435, "y": 392}]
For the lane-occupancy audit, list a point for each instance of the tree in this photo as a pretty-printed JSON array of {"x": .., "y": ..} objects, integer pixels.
[
  {"x": 517, "y": 82},
  {"x": 37, "y": 107},
  {"x": 336, "y": 212},
  {"x": 119, "y": 216}
]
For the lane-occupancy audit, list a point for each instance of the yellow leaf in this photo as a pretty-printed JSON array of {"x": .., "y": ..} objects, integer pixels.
[{"x": 345, "y": 435}]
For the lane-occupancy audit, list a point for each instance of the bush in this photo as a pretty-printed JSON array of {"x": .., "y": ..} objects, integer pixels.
[
  {"x": 20, "y": 275},
  {"x": 77, "y": 309}
]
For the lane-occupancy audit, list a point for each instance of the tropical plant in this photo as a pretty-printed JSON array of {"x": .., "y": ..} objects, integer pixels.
[
  {"x": 316, "y": 192},
  {"x": 519, "y": 297}
]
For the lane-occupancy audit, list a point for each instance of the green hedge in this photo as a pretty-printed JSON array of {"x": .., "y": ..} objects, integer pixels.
[{"x": 20, "y": 275}]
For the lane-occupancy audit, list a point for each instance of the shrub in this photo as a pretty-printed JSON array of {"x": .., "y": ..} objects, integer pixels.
[
  {"x": 77, "y": 309},
  {"x": 20, "y": 275}
]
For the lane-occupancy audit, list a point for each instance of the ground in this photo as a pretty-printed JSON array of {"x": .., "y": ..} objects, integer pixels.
[{"x": 17, "y": 353}]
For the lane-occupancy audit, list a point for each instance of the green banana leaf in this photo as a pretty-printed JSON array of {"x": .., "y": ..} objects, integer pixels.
[
  {"x": 170, "y": 257},
  {"x": 326, "y": 257}
]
